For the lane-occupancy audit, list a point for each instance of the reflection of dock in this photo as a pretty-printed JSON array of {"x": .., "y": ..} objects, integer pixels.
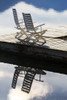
[{"x": 51, "y": 57}]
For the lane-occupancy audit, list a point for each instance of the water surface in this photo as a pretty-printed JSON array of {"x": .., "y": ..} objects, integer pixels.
[{"x": 54, "y": 86}]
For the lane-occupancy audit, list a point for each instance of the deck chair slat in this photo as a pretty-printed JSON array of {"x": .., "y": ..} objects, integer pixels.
[
  {"x": 28, "y": 21},
  {"x": 30, "y": 27},
  {"x": 16, "y": 18}
]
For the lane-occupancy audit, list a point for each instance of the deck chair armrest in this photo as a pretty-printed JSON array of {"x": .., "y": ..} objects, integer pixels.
[{"x": 39, "y": 25}]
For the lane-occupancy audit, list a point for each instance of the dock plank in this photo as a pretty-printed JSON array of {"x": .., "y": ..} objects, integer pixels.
[
  {"x": 51, "y": 43},
  {"x": 51, "y": 56}
]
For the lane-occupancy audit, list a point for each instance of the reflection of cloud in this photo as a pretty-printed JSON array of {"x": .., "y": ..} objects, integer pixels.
[
  {"x": 40, "y": 15},
  {"x": 57, "y": 95},
  {"x": 5, "y": 70},
  {"x": 1, "y": 74},
  {"x": 5, "y": 74},
  {"x": 5, "y": 80},
  {"x": 9, "y": 68},
  {"x": 38, "y": 90},
  {"x": 56, "y": 80}
]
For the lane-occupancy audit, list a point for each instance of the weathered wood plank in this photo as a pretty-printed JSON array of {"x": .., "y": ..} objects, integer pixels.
[{"x": 47, "y": 58}]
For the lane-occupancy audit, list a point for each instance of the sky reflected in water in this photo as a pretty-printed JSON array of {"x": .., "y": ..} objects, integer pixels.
[{"x": 54, "y": 86}]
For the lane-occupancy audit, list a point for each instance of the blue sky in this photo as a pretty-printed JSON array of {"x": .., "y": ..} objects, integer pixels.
[{"x": 58, "y": 5}]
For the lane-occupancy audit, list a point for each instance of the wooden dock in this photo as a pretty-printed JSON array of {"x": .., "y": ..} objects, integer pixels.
[{"x": 52, "y": 56}]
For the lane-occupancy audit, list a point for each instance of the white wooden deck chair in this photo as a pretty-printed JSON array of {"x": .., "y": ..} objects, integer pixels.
[
  {"x": 19, "y": 25},
  {"x": 33, "y": 30}
]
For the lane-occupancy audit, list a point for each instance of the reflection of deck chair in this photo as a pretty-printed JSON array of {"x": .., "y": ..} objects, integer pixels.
[
  {"x": 33, "y": 30},
  {"x": 28, "y": 74}
]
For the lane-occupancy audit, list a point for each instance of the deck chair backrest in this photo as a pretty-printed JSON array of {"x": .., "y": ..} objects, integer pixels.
[
  {"x": 28, "y": 22},
  {"x": 16, "y": 18}
]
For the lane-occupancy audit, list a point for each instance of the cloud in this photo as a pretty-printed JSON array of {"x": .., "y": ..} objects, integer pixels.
[
  {"x": 39, "y": 15},
  {"x": 42, "y": 15},
  {"x": 38, "y": 91},
  {"x": 5, "y": 79}
]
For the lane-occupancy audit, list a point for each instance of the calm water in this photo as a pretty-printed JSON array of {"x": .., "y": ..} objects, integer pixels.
[{"x": 54, "y": 86}]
